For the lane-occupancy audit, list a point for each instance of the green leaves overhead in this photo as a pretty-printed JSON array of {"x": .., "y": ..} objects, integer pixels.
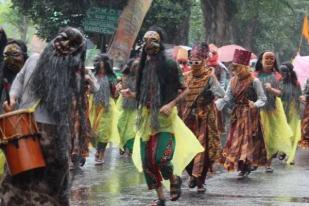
[{"x": 49, "y": 16}]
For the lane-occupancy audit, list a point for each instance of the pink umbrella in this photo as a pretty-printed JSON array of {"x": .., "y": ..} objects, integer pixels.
[
  {"x": 301, "y": 67},
  {"x": 226, "y": 53},
  {"x": 213, "y": 47}
]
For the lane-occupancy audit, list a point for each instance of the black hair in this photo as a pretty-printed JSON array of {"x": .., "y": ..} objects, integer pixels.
[
  {"x": 160, "y": 31},
  {"x": 292, "y": 76},
  {"x": 3, "y": 42},
  {"x": 259, "y": 65},
  {"x": 107, "y": 61}
]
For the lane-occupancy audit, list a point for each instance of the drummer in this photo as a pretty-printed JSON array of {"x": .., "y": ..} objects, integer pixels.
[
  {"x": 55, "y": 78},
  {"x": 15, "y": 55}
]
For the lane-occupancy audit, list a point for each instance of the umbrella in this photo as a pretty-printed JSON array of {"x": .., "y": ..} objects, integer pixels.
[
  {"x": 213, "y": 47},
  {"x": 301, "y": 67},
  {"x": 178, "y": 52},
  {"x": 226, "y": 53}
]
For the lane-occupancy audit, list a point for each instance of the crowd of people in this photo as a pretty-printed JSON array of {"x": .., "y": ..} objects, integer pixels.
[{"x": 167, "y": 117}]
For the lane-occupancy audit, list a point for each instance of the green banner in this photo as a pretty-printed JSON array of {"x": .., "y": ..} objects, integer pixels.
[{"x": 101, "y": 20}]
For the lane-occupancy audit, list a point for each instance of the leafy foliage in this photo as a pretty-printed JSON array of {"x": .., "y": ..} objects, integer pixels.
[
  {"x": 16, "y": 25},
  {"x": 49, "y": 16},
  {"x": 197, "y": 30},
  {"x": 172, "y": 16},
  {"x": 258, "y": 25}
]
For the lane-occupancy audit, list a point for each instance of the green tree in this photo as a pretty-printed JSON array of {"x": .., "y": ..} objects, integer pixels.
[
  {"x": 173, "y": 16},
  {"x": 197, "y": 30},
  {"x": 257, "y": 25},
  {"x": 16, "y": 25},
  {"x": 48, "y": 16}
]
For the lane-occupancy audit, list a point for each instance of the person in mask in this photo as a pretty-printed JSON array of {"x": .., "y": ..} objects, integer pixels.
[
  {"x": 157, "y": 144},
  {"x": 53, "y": 80},
  {"x": 14, "y": 56}
]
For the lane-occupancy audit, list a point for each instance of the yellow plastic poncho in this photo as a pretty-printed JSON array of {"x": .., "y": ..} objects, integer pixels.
[
  {"x": 2, "y": 162},
  {"x": 277, "y": 133},
  {"x": 187, "y": 145},
  {"x": 126, "y": 123},
  {"x": 104, "y": 123},
  {"x": 295, "y": 124}
]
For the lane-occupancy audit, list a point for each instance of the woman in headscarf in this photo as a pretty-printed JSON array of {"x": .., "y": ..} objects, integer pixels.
[
  {"x": 163, "y": 144},
  {"x": 245, "y": 148}
]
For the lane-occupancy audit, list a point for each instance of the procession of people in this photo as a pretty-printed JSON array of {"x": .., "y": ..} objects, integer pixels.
[{"x": 169, "y": 121}]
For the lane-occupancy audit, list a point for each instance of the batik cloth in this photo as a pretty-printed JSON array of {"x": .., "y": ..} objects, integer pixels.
[
  {"x": 304, "y": 143},
  {"x": 202, "y": 119},
  {"x": 245, "y": 143}
]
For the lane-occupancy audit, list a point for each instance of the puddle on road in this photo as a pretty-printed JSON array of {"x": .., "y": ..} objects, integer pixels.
[
  {"x": 110, "y": 182},
  {"x": 271, "y": 198}
]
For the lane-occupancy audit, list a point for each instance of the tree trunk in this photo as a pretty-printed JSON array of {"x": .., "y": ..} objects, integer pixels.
[
  {"x": 129, "y": 25},
  {"x": 249, "y": 30},
  {"x": 23, "y": 28},
  {"x": 217, "y": 21},
  {"x": 180, "y": 36}
]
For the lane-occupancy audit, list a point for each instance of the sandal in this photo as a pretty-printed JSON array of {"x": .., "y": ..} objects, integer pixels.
[
  {"x": 241, "y": 173},
  {"x": 82, "y": 161},
  {"x": 269, "y": 170},
  {"x": 175, "y": 190},
  {"x": 201, "y": 189},
  {"x": 121, "y": 152},
  {"x": 158, "y": 203},
  {"x": 192, "y": 182},
  {"x": 96, "y": 156},
  {"x": 282, "y": 156}
]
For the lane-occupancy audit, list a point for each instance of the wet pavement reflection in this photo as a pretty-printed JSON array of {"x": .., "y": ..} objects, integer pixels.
[{"x": 117, "y": 183}]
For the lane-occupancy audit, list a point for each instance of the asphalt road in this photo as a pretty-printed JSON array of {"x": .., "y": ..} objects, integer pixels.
[{"x": 117, "y": 183}]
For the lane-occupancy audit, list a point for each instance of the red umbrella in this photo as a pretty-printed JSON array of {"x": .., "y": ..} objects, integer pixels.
[{"x": 226, "y": 53}]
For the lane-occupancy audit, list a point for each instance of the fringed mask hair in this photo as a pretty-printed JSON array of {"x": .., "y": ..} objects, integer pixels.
[
  {"x": 152, "y": 41},
  {"x": 200, "y": 51},
  {"x": 58, "y": 79},
  {"x": 131, "y": 67},
  {"x": 69, "y": 41}
]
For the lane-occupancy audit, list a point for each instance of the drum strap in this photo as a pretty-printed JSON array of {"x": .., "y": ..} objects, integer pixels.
[{"x": 33, "y": 108}]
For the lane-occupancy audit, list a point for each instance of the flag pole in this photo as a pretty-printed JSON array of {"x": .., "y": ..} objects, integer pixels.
[
  {"x": 301, "y": 35},
  {"x": 300, "y": 43}
]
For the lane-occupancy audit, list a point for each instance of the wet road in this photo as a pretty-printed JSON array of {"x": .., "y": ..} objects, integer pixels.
[{"x": 117, "y": 183}]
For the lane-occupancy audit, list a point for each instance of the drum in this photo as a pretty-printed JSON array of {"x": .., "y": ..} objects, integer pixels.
[{"x": 19, "y": 140}]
